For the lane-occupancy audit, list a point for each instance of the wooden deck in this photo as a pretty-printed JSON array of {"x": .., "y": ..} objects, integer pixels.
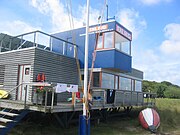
[{"x": 121, "y": 99}]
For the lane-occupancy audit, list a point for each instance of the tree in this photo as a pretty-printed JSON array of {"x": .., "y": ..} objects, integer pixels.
[{"x": 160, "y": 91}]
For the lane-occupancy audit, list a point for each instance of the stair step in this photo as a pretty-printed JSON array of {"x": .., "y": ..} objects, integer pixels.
[
  {"x": 1, "y": 126},
  {"x": 8, "y": 113},
  {"x": 5, "y": 120}
]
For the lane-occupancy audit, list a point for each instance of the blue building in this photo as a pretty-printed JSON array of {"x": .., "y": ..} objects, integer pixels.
[
  {"x": 113, "y": 60},
  {"x": 35, "y": 60}
]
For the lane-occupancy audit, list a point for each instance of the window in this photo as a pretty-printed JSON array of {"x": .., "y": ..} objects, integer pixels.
[
  {"x": 138, "y": 85},
  {"x": 116, "y": 82},
  {"x": 124, "y": 83},
  {"x": 108, "y": 40},
  {"x": 133, "y": 81},
  {"x": 2, "y": 71},
  {"x": 27, "y": 71},
  {"x": 69, "y": 47},
  {"x": 105, "y": 40},
  {"x": 100, "y": 41},
  {"x": 122, "y": 43},
  {"x": 96, "y": 79},
  {"x": 107, "y": 81}
]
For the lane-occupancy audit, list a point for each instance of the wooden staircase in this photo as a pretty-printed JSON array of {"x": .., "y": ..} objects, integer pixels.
[{"x": 10, "y": 118}]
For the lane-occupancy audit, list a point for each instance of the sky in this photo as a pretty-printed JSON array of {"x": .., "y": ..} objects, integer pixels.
[{"x": 155, "y": 25}]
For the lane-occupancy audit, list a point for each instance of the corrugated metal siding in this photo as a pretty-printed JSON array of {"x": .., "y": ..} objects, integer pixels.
[
  {"x": 12, "y": 60},
  {"x": 57, "y": 68},
  {"x": 2, "y": 72}
]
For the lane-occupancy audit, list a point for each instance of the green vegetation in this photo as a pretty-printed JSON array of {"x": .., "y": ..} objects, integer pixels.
[
  {"x": 168, "y": 110},
  {"x": 163, "y": 89}
]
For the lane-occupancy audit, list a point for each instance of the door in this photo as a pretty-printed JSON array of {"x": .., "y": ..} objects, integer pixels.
[{"x": 24, "y": 76}]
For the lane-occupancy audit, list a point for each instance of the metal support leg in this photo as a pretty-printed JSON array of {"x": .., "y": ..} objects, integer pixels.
[{"x": 59, "y": 119}]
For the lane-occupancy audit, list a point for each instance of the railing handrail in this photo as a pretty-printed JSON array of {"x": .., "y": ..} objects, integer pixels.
[
  {"x": 37, "y": 31},
  {"x": 26, "y": 83},
  {"x": 102, "y": 89}
]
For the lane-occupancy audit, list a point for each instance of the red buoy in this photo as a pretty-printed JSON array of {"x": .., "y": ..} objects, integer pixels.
[{"x": 149, "y": 119}]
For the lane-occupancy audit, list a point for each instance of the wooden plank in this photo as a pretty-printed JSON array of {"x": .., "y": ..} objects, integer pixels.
[
  {"x": 4, "y": 120},
  {"x": 1, "y": 126},
  {"x": 8, "y": 113}
]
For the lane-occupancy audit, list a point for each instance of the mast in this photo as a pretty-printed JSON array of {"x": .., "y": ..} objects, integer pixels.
[
  {"x": 86, "y": 60},
  {"x": 84, "y": 127}
]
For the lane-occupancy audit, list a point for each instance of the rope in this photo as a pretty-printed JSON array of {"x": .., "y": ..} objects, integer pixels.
[
  {"x": 95, "y": 46},
  {"x": 76, "y": 56}
]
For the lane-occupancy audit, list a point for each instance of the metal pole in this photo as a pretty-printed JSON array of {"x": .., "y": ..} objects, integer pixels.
[
  {"x": 86, "y": 58},
  {"x": 84, "y": 127},
  {"x": 107, "y": 12},
  {"x": 52, "y": 102}
]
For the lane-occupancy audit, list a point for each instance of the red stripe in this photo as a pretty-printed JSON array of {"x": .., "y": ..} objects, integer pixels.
[
  {"x": 142, "y": 121},
  {"x": 156, "y": 118}
]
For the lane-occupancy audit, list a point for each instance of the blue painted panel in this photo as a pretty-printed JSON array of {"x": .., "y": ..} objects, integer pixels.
[
  {"x": 122, "y": 61},
  {"x": 113, "y": 59},
  {"x": 104, "y": 59}
]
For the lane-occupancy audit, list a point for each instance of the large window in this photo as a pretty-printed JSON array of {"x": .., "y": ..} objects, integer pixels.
[
  {"x": 122, "y": 44},
  {"x": 100, "y": 41},
  {"x": 108, "y": 40},
  {"x": 138, "y": 85},
  {"x": 105, "y": 40},
  {"x": 96, "y": 79},
  {"x": 114, "y": 40},
  {"x": 124, "y": 83},
  {"x": 116, "y": 82},
  {"x": 107, "y": 81}
]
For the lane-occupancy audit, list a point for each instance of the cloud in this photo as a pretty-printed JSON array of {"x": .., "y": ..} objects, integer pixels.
[
  {"x": 153, "y": 2},
  {"x": 157, "y": 67},
  {"x": 131, "y": 19},
  {"x": 171, "y": 45},
  {"x": 161, "y": 63},
  {"x": 16, "y": 27},
  {"x": 60, "y": 18}
]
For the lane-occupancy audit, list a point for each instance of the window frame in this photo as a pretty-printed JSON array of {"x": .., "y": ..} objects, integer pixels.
[{"x": 103, "y": 40}]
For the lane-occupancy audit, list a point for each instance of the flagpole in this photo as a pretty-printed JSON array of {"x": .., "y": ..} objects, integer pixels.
[
  {"x": 86, "y": 60},
  {"x": 84, "y": 128}
]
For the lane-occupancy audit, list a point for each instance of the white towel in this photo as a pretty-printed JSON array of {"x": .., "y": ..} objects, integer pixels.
[{"x": 61, "y": 88}]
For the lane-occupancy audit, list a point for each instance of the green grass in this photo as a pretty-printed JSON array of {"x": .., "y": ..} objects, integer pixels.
[{"x": 168, "y": 109}]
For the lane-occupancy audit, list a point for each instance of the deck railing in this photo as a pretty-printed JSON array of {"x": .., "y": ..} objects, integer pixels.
[
  {"x": 41, "y": 40},
  {"x": 125, "y": 97},
  {"x": 99, "y": 97},
  {"x": 26, "y": 84}
]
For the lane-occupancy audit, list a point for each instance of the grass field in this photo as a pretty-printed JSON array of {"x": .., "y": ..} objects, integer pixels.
[{"x": 168, "y": 109}]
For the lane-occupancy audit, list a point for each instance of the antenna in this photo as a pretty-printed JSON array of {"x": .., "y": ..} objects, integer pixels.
[
  {"x": 107, "y": 12},
  {"x": 107, "y": 18}
]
